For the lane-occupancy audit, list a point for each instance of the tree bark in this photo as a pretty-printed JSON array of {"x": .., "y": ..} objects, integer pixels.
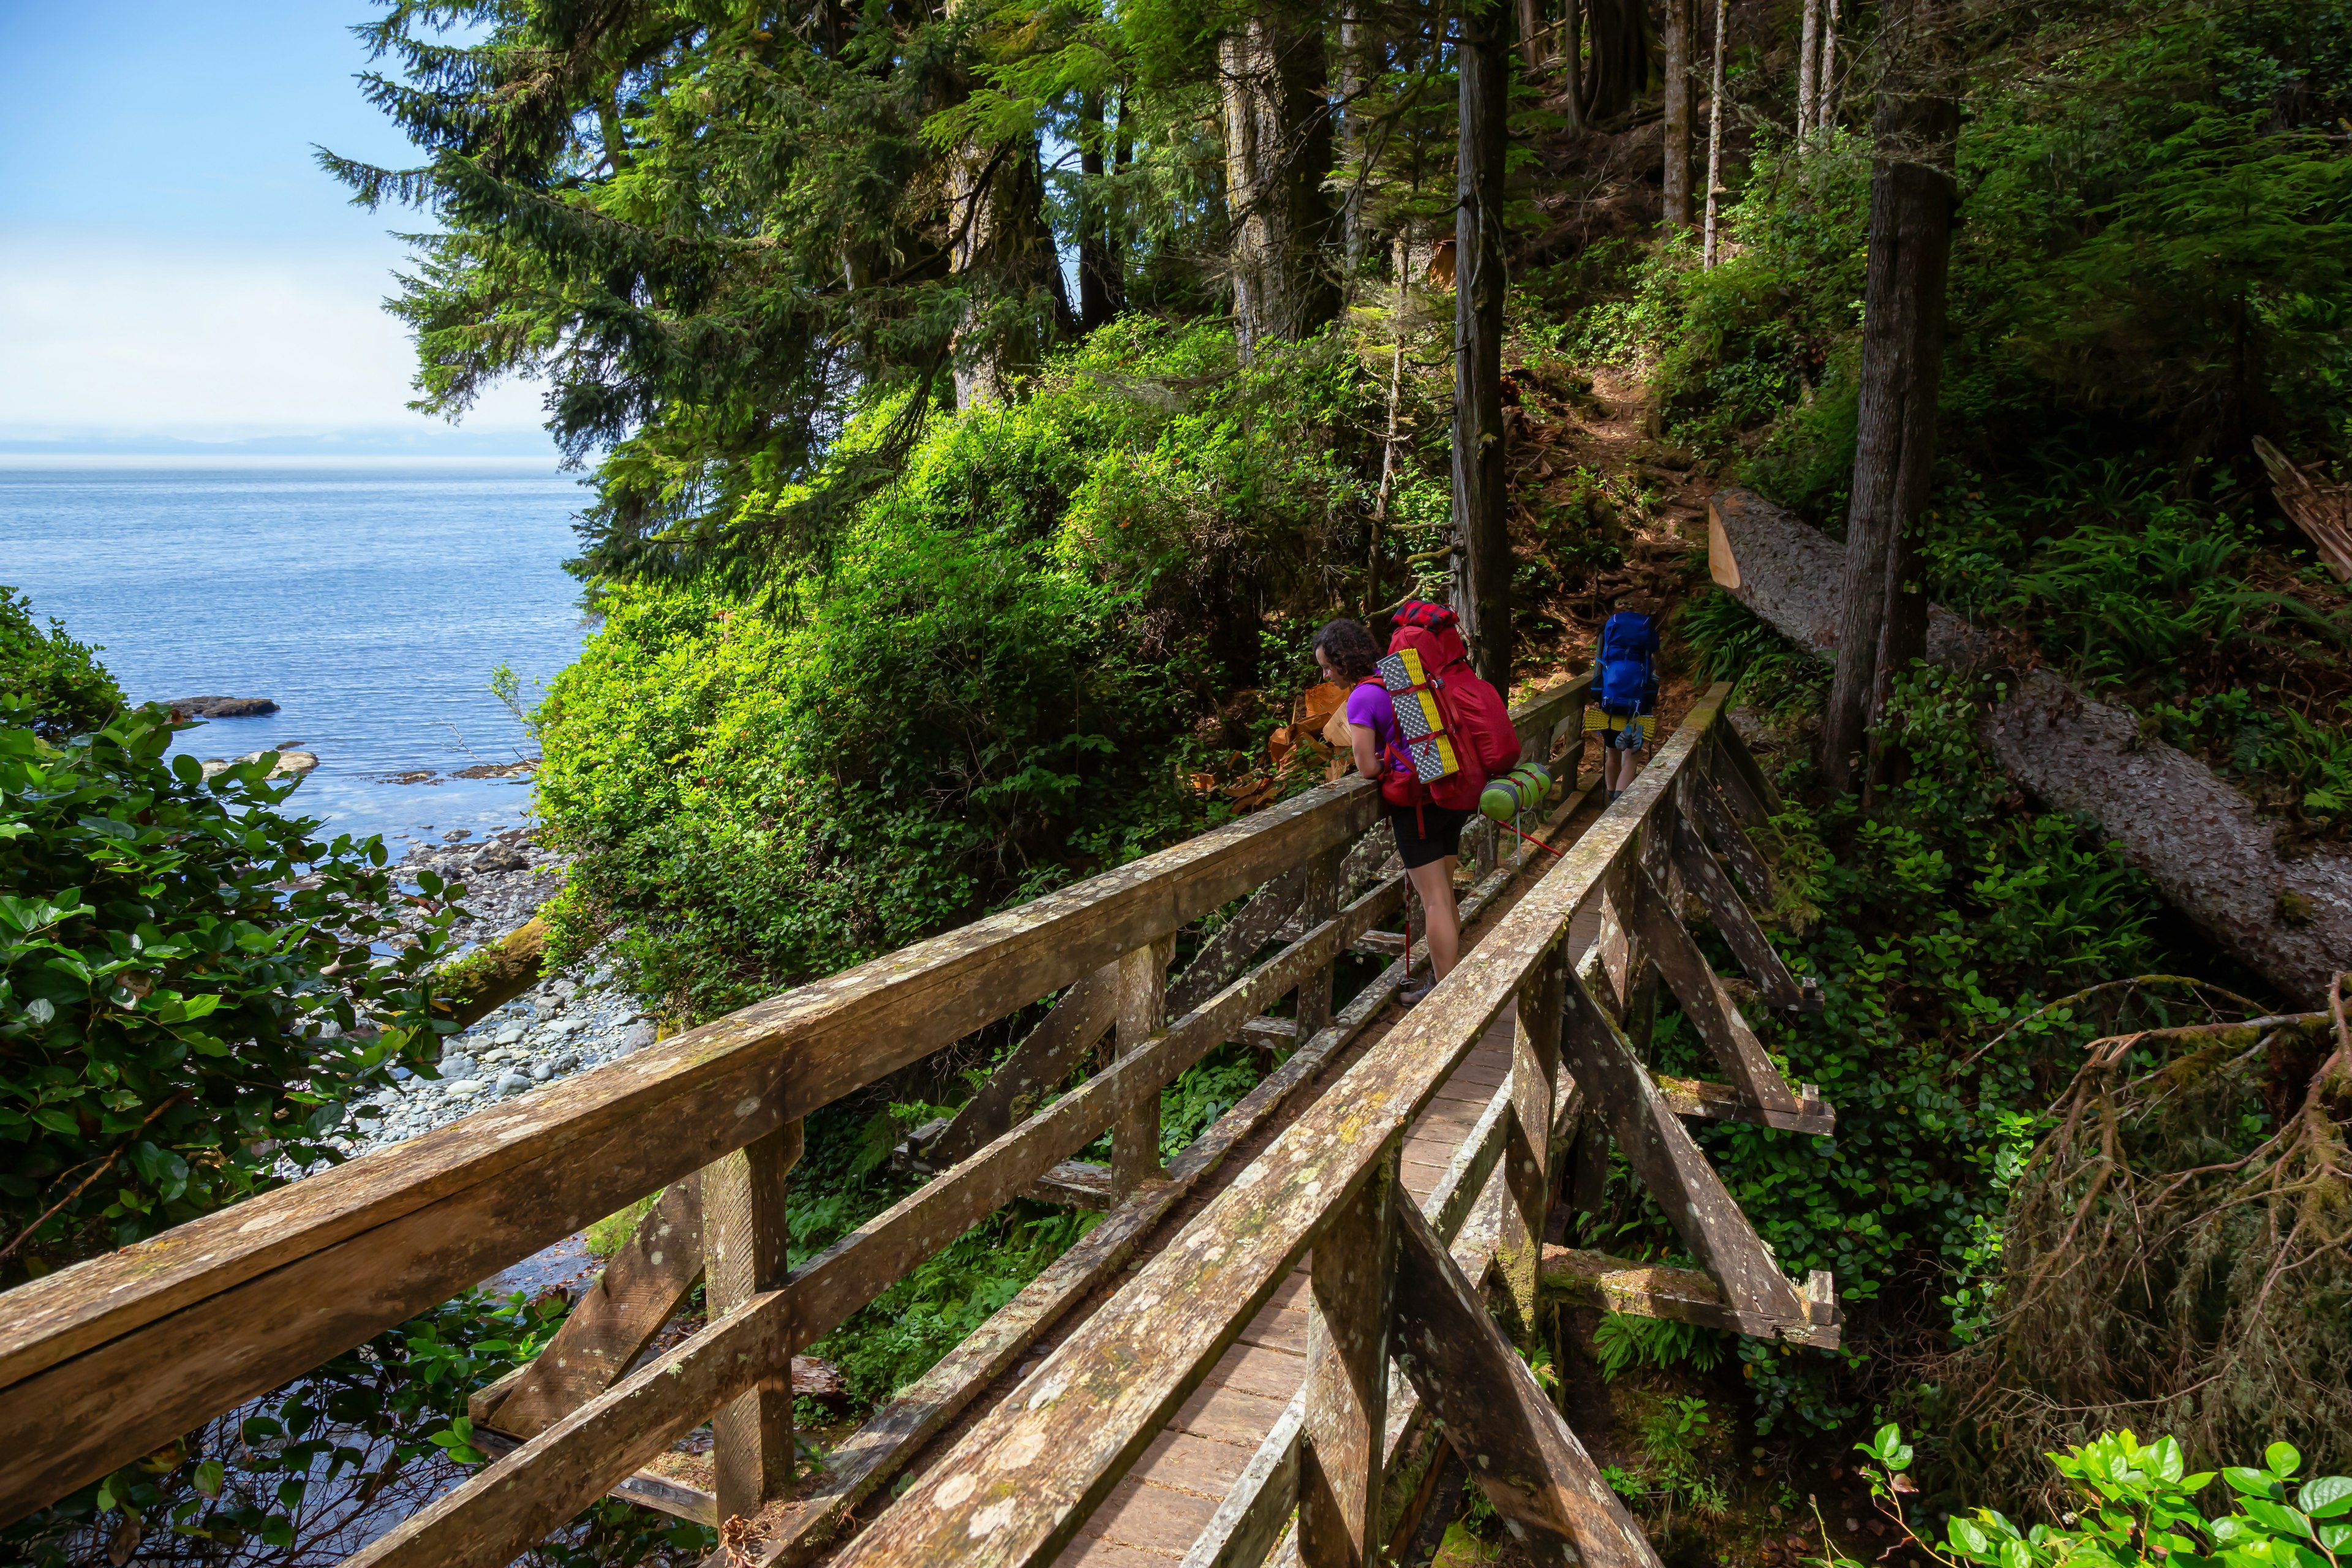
[
  {"x": 1570, "y": 57},
  {"x": 1277, "y": 149},
  {"x": 1678, "y": 158},
  {"x": 1620, "y": 68},
  {"x": 2210, "y": 854},
  {"x": 1809, "y": 63},
  {"x": 1531, "y": 35},
  {"x": 1003, "y": 254},
  {"x": 1101, "y": 287},
  {"x": 1714, "y": 137},
  {"x": 1827, "y": 86},
  {"x": 1481, "y": 537},
  {"x": 1884, "y": 624},
  {"x": 1355, "y": 73}
]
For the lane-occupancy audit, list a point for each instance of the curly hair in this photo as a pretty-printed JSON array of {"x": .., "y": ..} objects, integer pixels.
[{"x": 1349, "y": 647}]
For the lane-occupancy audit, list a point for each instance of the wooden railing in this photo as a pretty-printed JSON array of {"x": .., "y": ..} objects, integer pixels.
[
  {"x": 1386, "y": 1287},
  {"x": 112, "y": 1359}
]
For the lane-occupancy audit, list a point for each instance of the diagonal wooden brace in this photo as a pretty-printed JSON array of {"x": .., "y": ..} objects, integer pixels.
[
  {"x": 1702, "y": 876},
  {"x": 1701, "y": 804},
  {"x": 1036, "y": 1066},
  {"x": 1750, "y": 793},
  {"x": 641, "y": 1289},
  {"x": 1695, "y": 986},
  {"x": 1228, "y": 953},
  {"x": 1671, "y": 1167},
  {"x": 1523, "y": 1456}
]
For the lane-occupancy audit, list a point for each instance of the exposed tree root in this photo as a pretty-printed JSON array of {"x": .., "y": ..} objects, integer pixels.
[{"x": 2178, "y": 1256}]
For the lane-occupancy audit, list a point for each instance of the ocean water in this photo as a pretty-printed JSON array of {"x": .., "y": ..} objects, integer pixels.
[{"x": 369, "y": 599}]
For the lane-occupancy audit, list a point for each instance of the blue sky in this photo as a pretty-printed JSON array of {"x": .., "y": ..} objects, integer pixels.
[{"x": 173, "y": 262}]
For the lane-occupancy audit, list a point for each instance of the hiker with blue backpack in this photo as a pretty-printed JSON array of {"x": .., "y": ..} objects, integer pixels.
[
  {"x": 1625, "y": 692},
  {"x": 1431, "y": 758}
]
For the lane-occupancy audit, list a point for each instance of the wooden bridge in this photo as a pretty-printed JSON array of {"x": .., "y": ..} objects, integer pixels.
[{"x": 1252, "y": 1353}]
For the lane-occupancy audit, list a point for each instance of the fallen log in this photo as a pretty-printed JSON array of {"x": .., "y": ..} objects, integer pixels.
[
  {"x": 492, "y": 975},
  {"x": 2197, "y": 838}
]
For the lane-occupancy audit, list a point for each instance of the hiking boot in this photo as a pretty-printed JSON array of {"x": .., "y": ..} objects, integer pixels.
[{"x": 1416, "y": 991}]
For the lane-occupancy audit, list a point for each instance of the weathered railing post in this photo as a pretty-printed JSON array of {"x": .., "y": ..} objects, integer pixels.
[
  {"x": 1348, "y": 1379},
  {"x": 1321, "y": 903},
  {"x": 1527, "y": 1154},
  {"x": 1142, "y": 1013},
  {"x": 743, "y": 1242}
]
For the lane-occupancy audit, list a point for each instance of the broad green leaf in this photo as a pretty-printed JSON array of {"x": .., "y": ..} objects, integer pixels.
[
  {"x": 2273, "y": 1517},
  {"x": 2283, "y": 1458},
  {"x": 2325, "y": 1496}
]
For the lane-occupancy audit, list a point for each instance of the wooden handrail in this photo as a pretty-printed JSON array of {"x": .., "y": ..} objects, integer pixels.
[{"x": 114, "y": 1357}]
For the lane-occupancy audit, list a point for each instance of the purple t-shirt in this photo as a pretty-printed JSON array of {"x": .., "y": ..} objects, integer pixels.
[{"x": 1370, "y": 707}]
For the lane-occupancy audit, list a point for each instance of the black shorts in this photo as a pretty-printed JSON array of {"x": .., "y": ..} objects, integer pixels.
[{"x": 1426, "y": 833}]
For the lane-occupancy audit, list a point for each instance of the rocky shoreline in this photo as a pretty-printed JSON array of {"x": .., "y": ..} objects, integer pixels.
[{"x": 561, "y": 1025}]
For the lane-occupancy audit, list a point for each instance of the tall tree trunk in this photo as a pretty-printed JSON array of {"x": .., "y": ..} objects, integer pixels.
[
  {"x": 1531, "y": 35},
  {"x": 1827, "y": 86},
  {"x": 1570, "y": 57},
  {"x": 1389, "y": 440},
  {"x": 1714, "y": 136},
  {"x": 1677, "y": 31},
  {"x": 1809, "y": 64},
  {"x": 1619, "y": 70},
  {"x": 1122, "y": 156},
  {"x": 1100, "y": 287},
  {"x": 1277, "y": 149},
  {"x": 1481, "y": 533},
  {"x": 1356, "y": 71},
  {"x": 1003, "y": 254},
  {"x": 1883, "y": 619}
]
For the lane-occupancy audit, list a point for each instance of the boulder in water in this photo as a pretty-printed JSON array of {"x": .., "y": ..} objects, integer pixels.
[{"x": 223, "y": 706}]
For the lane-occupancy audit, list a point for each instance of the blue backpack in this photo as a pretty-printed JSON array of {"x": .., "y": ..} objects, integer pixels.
[{"x": 1625, "y": 682}]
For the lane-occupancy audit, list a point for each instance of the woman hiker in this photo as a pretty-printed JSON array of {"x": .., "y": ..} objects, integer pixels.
[{"x": 1428, "y": 838}]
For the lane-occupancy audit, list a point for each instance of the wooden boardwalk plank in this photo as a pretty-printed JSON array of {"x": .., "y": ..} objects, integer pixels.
[
  {"x": 1184, "y": 1463},
  {"x": 1227, "y": 1414},
  {"x": 1150, "y": 1518},
  {"x": 1240, "y": 1400}
]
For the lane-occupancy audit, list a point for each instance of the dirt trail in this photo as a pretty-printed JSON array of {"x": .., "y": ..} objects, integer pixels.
[{"x": 1570, "y": 440}]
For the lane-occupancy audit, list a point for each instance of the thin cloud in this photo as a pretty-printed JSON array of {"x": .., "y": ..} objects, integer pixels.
[{"x": 209, "y": 342}]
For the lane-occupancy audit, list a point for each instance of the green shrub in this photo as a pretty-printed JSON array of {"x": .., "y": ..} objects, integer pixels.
[
  {"x": 996, "y": 690},
  {"x": 67, "y": 690},
  {"x": 2129, "y": 1503},
  {"x": 168, "y": 1040}
]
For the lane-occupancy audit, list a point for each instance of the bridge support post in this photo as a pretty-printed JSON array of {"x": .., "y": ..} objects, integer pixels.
[
  {"x": 1340, "y": 1475},
  {"x": 744, "y": 1243},
  {"x": 1142, "y": 1013},
  {"x": 1527, "y": 1154},
  {"x": 1321, "y": 903}
]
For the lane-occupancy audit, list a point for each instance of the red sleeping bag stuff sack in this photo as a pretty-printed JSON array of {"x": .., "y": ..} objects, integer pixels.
[{"x": 1477, "y": 721}]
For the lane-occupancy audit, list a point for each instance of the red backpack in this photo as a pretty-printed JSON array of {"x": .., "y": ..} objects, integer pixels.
[{"x": 1475, "y": 721}]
